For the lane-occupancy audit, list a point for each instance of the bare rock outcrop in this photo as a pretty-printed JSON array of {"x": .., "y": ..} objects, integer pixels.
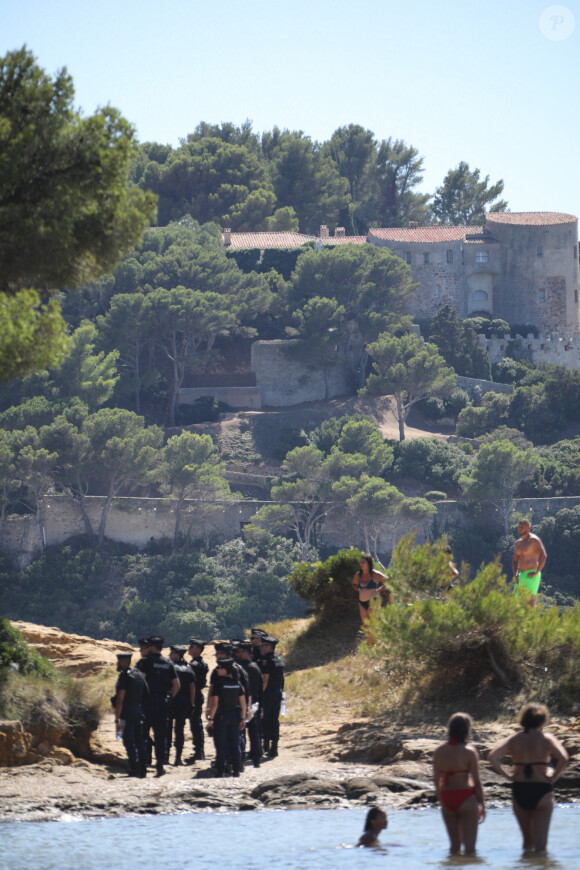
[{"x": 78, "y": 655}]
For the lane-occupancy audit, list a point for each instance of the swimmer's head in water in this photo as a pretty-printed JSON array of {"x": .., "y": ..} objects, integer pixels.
[
  {"x": 459, "y": 727},
  {"x": 376, "y": 819},
  {"x": 534, "y": 716}
]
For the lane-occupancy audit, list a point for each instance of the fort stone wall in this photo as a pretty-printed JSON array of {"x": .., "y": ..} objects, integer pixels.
[
  {"x": 136, "y": 521},
  {"x": 562, "y": 349},
  {"x": 286, "y": 381}
]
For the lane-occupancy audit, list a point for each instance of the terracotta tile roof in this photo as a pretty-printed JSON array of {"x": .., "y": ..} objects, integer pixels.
[
  {"x": 344, "y": 240},
  {"x": 419, "y": 234},
  {"x": 530, "y": 218},
  {"x": 268, "y": 240}
]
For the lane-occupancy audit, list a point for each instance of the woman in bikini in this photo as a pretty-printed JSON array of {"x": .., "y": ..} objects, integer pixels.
[
  {"x": 369, "y": 584},
  {"x": 456, "y": 777},
  {"x": 532, "y": 779}
]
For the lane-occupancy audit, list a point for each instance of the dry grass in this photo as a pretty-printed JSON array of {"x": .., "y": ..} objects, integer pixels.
[{"x": 331, "y": 675}]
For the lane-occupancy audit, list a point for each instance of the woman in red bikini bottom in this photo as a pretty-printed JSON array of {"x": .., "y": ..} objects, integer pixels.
[
  {"x": 456, "y": 777},
  {"x": 532, "y": 781}
]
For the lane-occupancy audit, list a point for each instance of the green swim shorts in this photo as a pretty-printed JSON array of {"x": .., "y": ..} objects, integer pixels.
[{"x": 526, "y": 581}]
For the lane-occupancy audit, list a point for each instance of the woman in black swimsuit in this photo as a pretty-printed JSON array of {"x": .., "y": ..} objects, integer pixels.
[
  {"x": 369, "y": 584},
  {"x": 532, "y": 780}
]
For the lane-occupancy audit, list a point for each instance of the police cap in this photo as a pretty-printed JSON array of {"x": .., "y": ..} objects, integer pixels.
[
  {"x": 195, "y": 641},
  {"x": 225, "y": 663},
  {"x": 270, "y": 640},
  {"x": 178, "y": 648},
  {"x": 124, "y": 655},
  {"x": 223, "y": 646},
  {"x": 258, "y": 632},
  {"x": 156, "y": 641},
  {"x": 243, "y": 644}
]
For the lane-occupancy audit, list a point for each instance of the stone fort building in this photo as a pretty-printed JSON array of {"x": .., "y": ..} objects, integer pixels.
[{"x": 522, "y": 267}]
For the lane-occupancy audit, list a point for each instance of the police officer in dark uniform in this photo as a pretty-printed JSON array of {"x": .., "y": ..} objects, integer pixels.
[
  {"x": 224, "y": 650},
  {"x": 163, "y": 685},
  {"x": 243, "y": 654},
  {"x": 256, "y": 635},
  {"x": 129, "y": 693},
  {"x": 272, "y": 668},
  {"x": 200, "y": 669},
  {"x": 227, "y": 714},
  {"x": 182, "y": 704}
]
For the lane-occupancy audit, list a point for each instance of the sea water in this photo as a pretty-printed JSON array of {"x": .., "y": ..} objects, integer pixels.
[{"x": 277, "y": 840}]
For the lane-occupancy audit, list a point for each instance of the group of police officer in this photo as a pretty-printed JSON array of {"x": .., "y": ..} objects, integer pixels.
[{"x": 154, "y": 700}]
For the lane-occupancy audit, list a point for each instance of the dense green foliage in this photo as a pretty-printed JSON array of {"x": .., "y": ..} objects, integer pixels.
[
  {"x": 125, "y": 595},
  {"x": 15, "y": 651},
  {"x": 67, "y": 212},
  {"x": 430, "y": 460},
  {"x": 459, "y": 345}
]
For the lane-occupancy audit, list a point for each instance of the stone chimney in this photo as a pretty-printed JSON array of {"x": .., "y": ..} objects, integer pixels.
[
  {"x": 324, "y": 234},
  {"x": 227, "y": 236},
  {"x": 413, "y": 225},
  {"x": 339, "y": 233}
]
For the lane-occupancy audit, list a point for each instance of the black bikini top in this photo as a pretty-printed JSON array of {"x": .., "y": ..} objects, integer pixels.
[{"x": 528, "y": 765}]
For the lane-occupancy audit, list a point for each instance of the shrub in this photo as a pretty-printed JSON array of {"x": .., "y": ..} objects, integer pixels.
[
  {"x": 328, "y": 585},
  {"x": 457, "y": 401},
  {"x": 435, "y": 495},
  {"x": 509, "y": 371},
  {"x": 433, "y": 408},
  {"x": 482, "y": 632},
  {"x": 430, "y": 460},
  {"x": 532, "y": 411},
  {"x": 498, "y": 327},
  {"x": 419, "y": 571},
  {"x": 473, "y": 422}
]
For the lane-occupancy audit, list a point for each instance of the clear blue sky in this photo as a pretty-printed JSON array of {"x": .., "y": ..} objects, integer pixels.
[{"x": 485, "y": 82}]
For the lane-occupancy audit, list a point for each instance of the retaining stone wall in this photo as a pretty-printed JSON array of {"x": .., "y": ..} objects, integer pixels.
[{"x": 136, "y": 521}]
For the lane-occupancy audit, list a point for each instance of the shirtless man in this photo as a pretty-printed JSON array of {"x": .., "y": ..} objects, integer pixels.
[{"x": 529, "y": 559}]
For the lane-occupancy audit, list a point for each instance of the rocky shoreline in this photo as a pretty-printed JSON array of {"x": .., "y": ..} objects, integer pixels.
[
  {"x": 323, "y": 763},
  {"x": 62, "y": 787}
]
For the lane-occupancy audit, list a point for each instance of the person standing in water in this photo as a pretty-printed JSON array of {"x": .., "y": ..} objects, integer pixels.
[
  {"x": 529, "y": 559},
  {"x": 376, "y": 821},
  {"x": 458, "y": 786},
  {"x": 532, "y": 780},
  {"x": 369, "y": 584}
]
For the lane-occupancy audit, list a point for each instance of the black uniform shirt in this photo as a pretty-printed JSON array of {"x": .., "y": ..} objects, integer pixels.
[
  {"x": 273, "y": 665},
  {"x": 228, "y": 691},
  {"x": 159, "y": 673},
  {"x": 186, "y": 678},
  {"x": 133, "y": 682},
  {"x": 200, "y": 669},
  {"x": 254, "y": 675}
]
